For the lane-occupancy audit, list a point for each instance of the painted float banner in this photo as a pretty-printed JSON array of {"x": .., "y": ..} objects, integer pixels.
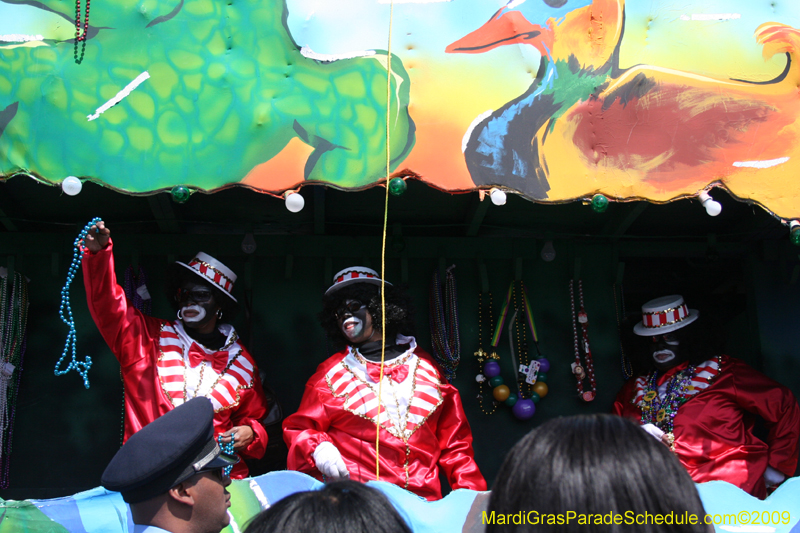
[{"x": 553, "y": 99}]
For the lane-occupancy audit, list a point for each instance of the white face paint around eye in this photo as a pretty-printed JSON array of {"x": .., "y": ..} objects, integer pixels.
[
  {"x": 193, "y": 313},
  {"x": 352, "y": 327}
]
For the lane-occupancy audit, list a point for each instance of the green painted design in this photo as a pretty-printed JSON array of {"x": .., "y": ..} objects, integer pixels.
[
  {"x": 24, "y": 517},
  {"x": 244, "y": 504},
  {"x": 228, "y": 90}
]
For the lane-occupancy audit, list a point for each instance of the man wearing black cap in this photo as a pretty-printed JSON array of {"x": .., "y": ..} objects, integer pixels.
[
  {"x": 171, "y": 473},
  {"x": 166, "y": 363}
]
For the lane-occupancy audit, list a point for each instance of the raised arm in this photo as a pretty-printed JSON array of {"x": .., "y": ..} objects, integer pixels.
[{"x": 123, "y": 327}]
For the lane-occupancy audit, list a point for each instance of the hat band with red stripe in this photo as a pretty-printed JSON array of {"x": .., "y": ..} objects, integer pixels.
[
  {"x": 666, "y": 317},
  {"x": 355, "y": 275},
  {"x": 212, "y": 274}
]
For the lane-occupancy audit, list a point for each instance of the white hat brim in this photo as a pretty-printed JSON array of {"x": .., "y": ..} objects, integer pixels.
[
  {"x": 643, "y": 331},
  {"x": 336, "y": 286},
  {"x": 199, "y": 275}
]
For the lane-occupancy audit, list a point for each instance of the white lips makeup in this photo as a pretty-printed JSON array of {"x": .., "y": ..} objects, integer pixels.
[
  {"x": 663, "y": 356},
  {"x": 201, "y": 313},
  {"x": 352, "y": 327}
]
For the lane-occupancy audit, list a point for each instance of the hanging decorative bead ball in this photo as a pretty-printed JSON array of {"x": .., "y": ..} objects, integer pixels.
[
  {"x": 501, "y": 393},
  {"x": 541, "y": 377},
  {"x": 65, "y": 312},
  {"x": 523, "y": 409},
  {"x": 599, "y": 203},
  {"x": 71, "y": 185},
  {"x": 794, "y": 236},
  {"x": 480, "y": 378},
  {"x": 491, "y": 369},
  {"x": 511, "y": 400},
  {"x": 496, "y": 381},
  {"x": 540, "y": 388},
  {"x": 180, "y": 194},
  {"x": 397, "y": 186},
  {"x": 535, "y": 397},
  {"x": 544, "y": 364}
]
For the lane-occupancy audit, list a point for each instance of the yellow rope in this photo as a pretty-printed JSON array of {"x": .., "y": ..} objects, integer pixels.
[{"x": 383, "y": 244}]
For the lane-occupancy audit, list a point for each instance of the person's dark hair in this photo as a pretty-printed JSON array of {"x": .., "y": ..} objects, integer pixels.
[
  {"x": 338, "y": 507},
  {"x": 590, "y": 465},
  {"x": 399, "y": 313},
  {"x": 177, "y": 274}
]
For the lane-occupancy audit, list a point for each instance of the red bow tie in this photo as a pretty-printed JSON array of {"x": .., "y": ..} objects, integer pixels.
[
  {"x": 399, "y": 373},
  {"x": 216, "y": 360}
]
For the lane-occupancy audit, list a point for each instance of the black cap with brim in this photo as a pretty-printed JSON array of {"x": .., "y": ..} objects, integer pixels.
[{"x": 166, "y": 452}]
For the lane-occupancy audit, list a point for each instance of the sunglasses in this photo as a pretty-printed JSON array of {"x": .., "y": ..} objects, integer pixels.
[
  {"x": 217, "y": 473},
  {"x": 349, "y": 308},
  {"x": 197, "y": 296},
  {"x": 668, "y": 338}
]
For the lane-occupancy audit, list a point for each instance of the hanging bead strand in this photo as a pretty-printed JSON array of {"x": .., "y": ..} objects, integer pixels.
[
  {"x": 14, "y": 345},
  {"x": 627, "y": 367},
  {"x": 81, "y": 368},
  {"x": 581, "y": 370},
  {"x": 481, "y": 355},
  {"x": 80, "y": 37},
  {"x": 444, "y": 323}
]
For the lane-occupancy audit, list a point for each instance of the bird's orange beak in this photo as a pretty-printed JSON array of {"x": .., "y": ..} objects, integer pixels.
[{"x": 505, "y": 27}]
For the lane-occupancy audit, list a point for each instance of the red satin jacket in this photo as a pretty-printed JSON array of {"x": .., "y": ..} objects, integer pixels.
[
  {"x": 714, "y": 429},
  {"x": 440, "y": 436}
]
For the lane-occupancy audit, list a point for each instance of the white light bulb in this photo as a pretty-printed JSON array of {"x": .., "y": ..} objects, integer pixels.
[
  {"x": 713, "y": 208},
  {"x": 498, "y": 197},
  {"x": 548, "y": 252},
  {"x": 294, "y": 202},
  {"x": 71, "y": 185}
]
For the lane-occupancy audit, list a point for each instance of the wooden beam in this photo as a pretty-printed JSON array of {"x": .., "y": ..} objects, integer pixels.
[
  {"x": 164, "y": 214},
  {"x": 475, "y": 215},
  {"x": 618, "y": 230}
]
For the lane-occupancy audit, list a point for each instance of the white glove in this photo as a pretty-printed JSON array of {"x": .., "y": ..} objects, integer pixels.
[
  {"x": 653, "y": 430},
  {"x": 773, "y": 477},
  {"x": 329, "y": 461}
]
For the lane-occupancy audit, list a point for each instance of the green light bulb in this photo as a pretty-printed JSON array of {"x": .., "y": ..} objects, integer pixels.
[
  {"x": 599, "y": 203},
  {"x": 180, "y": 194}
]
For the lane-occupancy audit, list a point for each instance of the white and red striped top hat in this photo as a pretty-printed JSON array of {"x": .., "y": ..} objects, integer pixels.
[
  {"x": 663, "y": 315},
  {"x": 354, "y": 274},
  {"x": 212, "y": 271}
]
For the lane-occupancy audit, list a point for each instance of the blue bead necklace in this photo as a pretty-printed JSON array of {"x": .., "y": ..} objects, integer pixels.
[
  {"x": 81, "y": 368},
  {"x": 227, "y": 448}
]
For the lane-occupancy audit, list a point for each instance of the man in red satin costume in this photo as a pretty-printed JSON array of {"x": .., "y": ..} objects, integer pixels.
[
  {"x": 704, "y": 406},
  {"x": 422, "y": 422},
  {"x": 165, "y": 364}
]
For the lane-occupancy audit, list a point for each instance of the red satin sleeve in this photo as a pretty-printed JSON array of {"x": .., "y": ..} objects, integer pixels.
[
  {"x": 622, "y": 404},
  {"x": 777, "y": 406},
  {"x": 252, "y": 409},
  {"x": 123, "y": 327},
  {"x": 304, "y": 430},
  {"x": 457, "y": 457}
]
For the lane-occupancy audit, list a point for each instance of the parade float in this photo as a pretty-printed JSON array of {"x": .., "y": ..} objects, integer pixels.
[{"x": 624, "y": 149}]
